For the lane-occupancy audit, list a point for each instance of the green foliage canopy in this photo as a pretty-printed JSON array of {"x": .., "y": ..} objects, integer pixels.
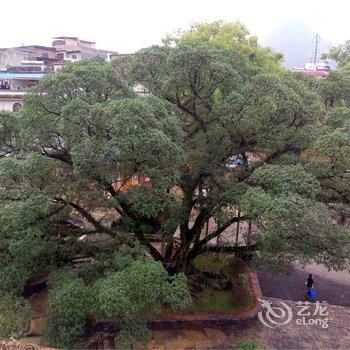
[{"x": 176, "y": 115}]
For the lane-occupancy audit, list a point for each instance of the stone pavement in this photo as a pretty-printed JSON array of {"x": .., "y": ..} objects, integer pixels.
[{"x": 289, "y": 336}]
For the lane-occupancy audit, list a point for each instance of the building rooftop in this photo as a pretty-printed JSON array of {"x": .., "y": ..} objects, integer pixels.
[
  {"x": 35, "y": 47},
  {"x": 21, "y": 75},
  {"x": 74, "y": 38},
  {"x": 316, "y": 73}
]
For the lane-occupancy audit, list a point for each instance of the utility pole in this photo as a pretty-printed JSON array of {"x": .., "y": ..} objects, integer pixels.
[{"x": 317, "y": 39}]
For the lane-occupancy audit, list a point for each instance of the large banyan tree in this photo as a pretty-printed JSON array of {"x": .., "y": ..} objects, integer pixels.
[{"x": 175, "y": 116}]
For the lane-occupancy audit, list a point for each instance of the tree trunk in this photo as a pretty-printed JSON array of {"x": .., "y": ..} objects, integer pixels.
[
  {"x": 162, "y": 245},
  {"x": 179, "y": 259},
  {"x": 237, "y": 228},
  {"x": 249, "y": 231},
  {"x": 217, "y": 244}
]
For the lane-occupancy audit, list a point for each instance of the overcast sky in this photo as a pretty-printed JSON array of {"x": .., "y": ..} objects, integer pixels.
[{"x": 128, "y": 25}]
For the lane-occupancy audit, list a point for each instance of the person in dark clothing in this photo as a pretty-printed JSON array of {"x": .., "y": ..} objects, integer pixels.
[
  {"x": 309, "y": 282},
  {"x": 311, "y": 291}
]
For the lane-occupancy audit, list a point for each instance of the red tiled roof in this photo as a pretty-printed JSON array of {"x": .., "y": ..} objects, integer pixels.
[{"x": 316, "y": 73}]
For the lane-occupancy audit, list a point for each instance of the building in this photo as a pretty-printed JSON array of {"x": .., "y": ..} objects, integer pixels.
[
  {"x": 73, "y": 49},
  {"x": 318, "y": 69},
  {"x": 11, "y": 57},
  {"x": 22, "y": 67},
  {"x": 13, "y": 86}
]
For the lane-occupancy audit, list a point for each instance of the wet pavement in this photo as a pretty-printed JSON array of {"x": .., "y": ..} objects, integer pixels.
[{"x": 331, "y": 287}]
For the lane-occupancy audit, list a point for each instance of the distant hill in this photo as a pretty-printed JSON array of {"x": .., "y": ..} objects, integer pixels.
[{"x": 296, "y": 41}]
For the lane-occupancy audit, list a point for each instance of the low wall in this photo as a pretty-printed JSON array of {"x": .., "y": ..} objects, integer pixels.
[{"x": 196, "y": 320}]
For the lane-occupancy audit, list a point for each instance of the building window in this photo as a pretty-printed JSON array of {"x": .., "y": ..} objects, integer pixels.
[
  {"x": 60, "y": 56},
  {"x": 74, "y": 56},
  {"x": 16, "y": 106}
]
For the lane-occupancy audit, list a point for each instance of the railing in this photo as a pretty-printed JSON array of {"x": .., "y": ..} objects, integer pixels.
[{"x": 12, "y": 92}]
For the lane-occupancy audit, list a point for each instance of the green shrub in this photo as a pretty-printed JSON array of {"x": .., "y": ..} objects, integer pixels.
[
  {"x": 132, "y": 296},
  {"x": 69, "y": 304},
  {"x": 243, "y": 279},
  {"x": 14, "y": 315},
  {"x": 248, "y": 344}
]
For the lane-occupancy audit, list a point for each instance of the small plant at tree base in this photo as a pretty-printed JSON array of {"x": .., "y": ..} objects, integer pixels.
[
  {"x": 243, "y": 279},
  {"x": 248, "y": 344}
]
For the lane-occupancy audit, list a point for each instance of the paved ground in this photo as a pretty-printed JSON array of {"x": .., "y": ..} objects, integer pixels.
[
  {"x": 289, "y": 336},
  {"x": 333, "y": 287}
]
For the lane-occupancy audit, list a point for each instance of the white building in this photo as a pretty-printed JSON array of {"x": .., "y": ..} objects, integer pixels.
[
  {"x": 13, "y": 86},
  {"x": 74, "y": 49},
  {"x": 22, "y": 67}
]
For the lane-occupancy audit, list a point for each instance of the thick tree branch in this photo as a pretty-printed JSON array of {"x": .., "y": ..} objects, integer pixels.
[
  {"x": 156, "y": 255},
  {"x": 85, "y": 214},
  {"x": 215, "y": 233},
  {"x": 61, "y": 155}
]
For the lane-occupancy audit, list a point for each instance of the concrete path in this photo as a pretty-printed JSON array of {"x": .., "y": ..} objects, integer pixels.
[{"x": 333, "y": 287}]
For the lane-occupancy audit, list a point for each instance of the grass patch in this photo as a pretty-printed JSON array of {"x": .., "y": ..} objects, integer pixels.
[
  {"x": 248, "y": 344},
  {"x": 213, "y": 262},
  {"x": 212, "y": 300}
]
